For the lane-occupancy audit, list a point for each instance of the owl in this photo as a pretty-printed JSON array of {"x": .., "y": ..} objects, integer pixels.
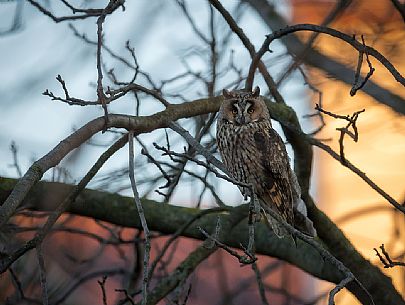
[{"x": 254, "y": 153}]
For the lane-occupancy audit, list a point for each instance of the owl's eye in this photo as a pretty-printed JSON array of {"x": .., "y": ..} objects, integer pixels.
[
  {"x": 250, "y": 110},
  {"x": 234, "y": 111}
]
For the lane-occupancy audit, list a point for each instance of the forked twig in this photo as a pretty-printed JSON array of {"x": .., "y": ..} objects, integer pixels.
[{"x": 386, "y": 260}]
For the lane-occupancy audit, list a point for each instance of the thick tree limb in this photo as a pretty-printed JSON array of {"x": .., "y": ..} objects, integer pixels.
[
  {"x": 137, "y": 124},
  {"x": 167, "y": 219},
  {"x": 111, "y": 208}
]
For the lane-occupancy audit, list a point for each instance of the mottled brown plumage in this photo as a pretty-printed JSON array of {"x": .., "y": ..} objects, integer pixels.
[{"x": 254, "y": 153}]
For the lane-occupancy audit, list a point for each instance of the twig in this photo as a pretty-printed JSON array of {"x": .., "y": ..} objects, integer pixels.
[
  {"x": 349, "y": 276},
  {"x": 340, "y": 286},
  {"x": 260, "y": 283},
  {"x": 205, "y": 165},
  {"x": 39, "y": 237},
  {"x": 344, "y": 130},
  {"x": 387, "y": 261},
  {"x": 102, "y": 99},
  {"x": 86, "y": 13},
  {"x": 127, "y": 296},
  {"x": 68, "y": 99},
  {"x": 102, "y": 286},
  {"x": 79, "y": 282},
  {"x": 141, "y": 214},
  {"x": 42, "y": 275},
  {"x": 14, "y": 151},
  {"x": 358, "y": 172},
  {"x": 332, "y": 32},
  {"x": 247, "y": 259},
  {"x": 356, "y": 85},
  {"x": 179, "y": 231},
  {"x": 145, "y": 152},
  {"x": 337, "y": 10},
  {"x": 271, "y": 84}
]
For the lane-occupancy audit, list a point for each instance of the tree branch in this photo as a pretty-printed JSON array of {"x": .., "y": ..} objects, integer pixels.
[
  {"x": 167, "y": 219},
  {"x": 318, "y": 60}
]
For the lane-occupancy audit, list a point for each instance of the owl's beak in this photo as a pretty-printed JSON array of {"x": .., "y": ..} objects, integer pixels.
[{"x": 240, "y": 120}]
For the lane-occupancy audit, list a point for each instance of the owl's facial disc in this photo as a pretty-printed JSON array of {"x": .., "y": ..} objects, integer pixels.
[{"x": 242, "y": 112}]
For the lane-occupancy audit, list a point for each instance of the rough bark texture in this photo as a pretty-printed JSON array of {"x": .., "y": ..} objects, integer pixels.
[{"x": 167, "y": 219}]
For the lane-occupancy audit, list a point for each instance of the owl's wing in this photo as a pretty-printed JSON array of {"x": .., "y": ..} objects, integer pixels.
[{"x": 277, "y": 193}]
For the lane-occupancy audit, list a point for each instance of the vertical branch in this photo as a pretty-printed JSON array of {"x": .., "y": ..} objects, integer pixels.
[
  {"x": 358, "y": 85},
  {"x": 14, "y": 151},
  {"x": 102, "y": 99},
  {"x": 102, "y": 286},
  {"x": 142, "y": 218},
  {"x": 211, "y": 84},
  {"x": 42, "y": 274},
  {"x": 260, "y": 283}
]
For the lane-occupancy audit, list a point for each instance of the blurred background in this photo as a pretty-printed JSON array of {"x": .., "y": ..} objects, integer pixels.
[{"x": 170, "y": 41}]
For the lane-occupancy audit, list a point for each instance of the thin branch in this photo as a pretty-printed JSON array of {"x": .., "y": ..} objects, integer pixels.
[
  {"x": 386, "y": 260},
  {"x": 102, "y": 286},
  {"x": 332, "y": 32},
  {"x": 14, "y": 151},
  {"x": 344, "y": 130},
  {"x": 348, "y": 275},
  {"x": 247, "y": 259},
  {"x": 271, "y": 84},
  {"x": 86, "y": 13},
  {"x": 146, "y": 255},
  {"x": 85, "y": 278},
  {"x": 127, "y": 296},
  {"x": 357, "y": 85},
  {"x": 358, "y": 172},
  {"x": 42, "y": 275},
  {"x": 68, "y": 99},
  {"x": 260, "y": 283},
  {"x": 39, "y": 237},
  {"x": 178, "y": 233},
  {"x": 100, "y": 91}
]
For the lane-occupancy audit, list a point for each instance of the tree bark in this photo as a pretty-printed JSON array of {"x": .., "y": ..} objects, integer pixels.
[{"x": 119, "y": 210}]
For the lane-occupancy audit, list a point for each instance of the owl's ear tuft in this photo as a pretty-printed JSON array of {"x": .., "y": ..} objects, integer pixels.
[
  {"x": 256, "y": 91},
  {"x": 226, "y": 93}
]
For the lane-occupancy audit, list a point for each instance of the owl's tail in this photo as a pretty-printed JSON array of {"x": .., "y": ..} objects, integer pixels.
[
  {"x": 301, "y": 223},
  {"x": 274, "y": 225},
  {"x": 304, "y": 224},
  {"x": 301, "y": 220}
]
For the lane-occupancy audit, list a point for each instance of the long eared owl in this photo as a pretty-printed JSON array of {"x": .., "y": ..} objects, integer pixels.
[{"x": 254, "y": 153}]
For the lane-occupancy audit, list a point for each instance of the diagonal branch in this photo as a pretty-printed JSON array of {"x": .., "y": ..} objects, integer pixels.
[
  {"x": 327, "y": 64},
  {"x": 325, "y": 30}
]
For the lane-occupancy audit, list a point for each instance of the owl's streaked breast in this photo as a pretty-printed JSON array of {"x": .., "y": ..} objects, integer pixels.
[{"x": 240, "y": 154}]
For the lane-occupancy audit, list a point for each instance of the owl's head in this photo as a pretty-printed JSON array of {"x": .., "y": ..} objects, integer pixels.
[{"x": 241, "y": 107}]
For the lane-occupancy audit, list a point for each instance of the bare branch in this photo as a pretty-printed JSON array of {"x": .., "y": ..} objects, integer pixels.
[
  {"x": 260, "y": 283},
  {"x": 102, "y": 286},
  {"x": 386, "y": 260},
  {"x": 42, "y": 275},
  {"x": 146, "y": 254},
  {"x": 40, "y": 235},
  {"x": 14, "y": 151},
  {"x": 332, "y": 32},
  {"x": 356, "y": 85},
  {"x": 86, "y": 13}
]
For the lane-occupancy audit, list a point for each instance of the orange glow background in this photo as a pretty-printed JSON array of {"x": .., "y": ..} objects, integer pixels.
[{"x": 380, "y": 151}]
